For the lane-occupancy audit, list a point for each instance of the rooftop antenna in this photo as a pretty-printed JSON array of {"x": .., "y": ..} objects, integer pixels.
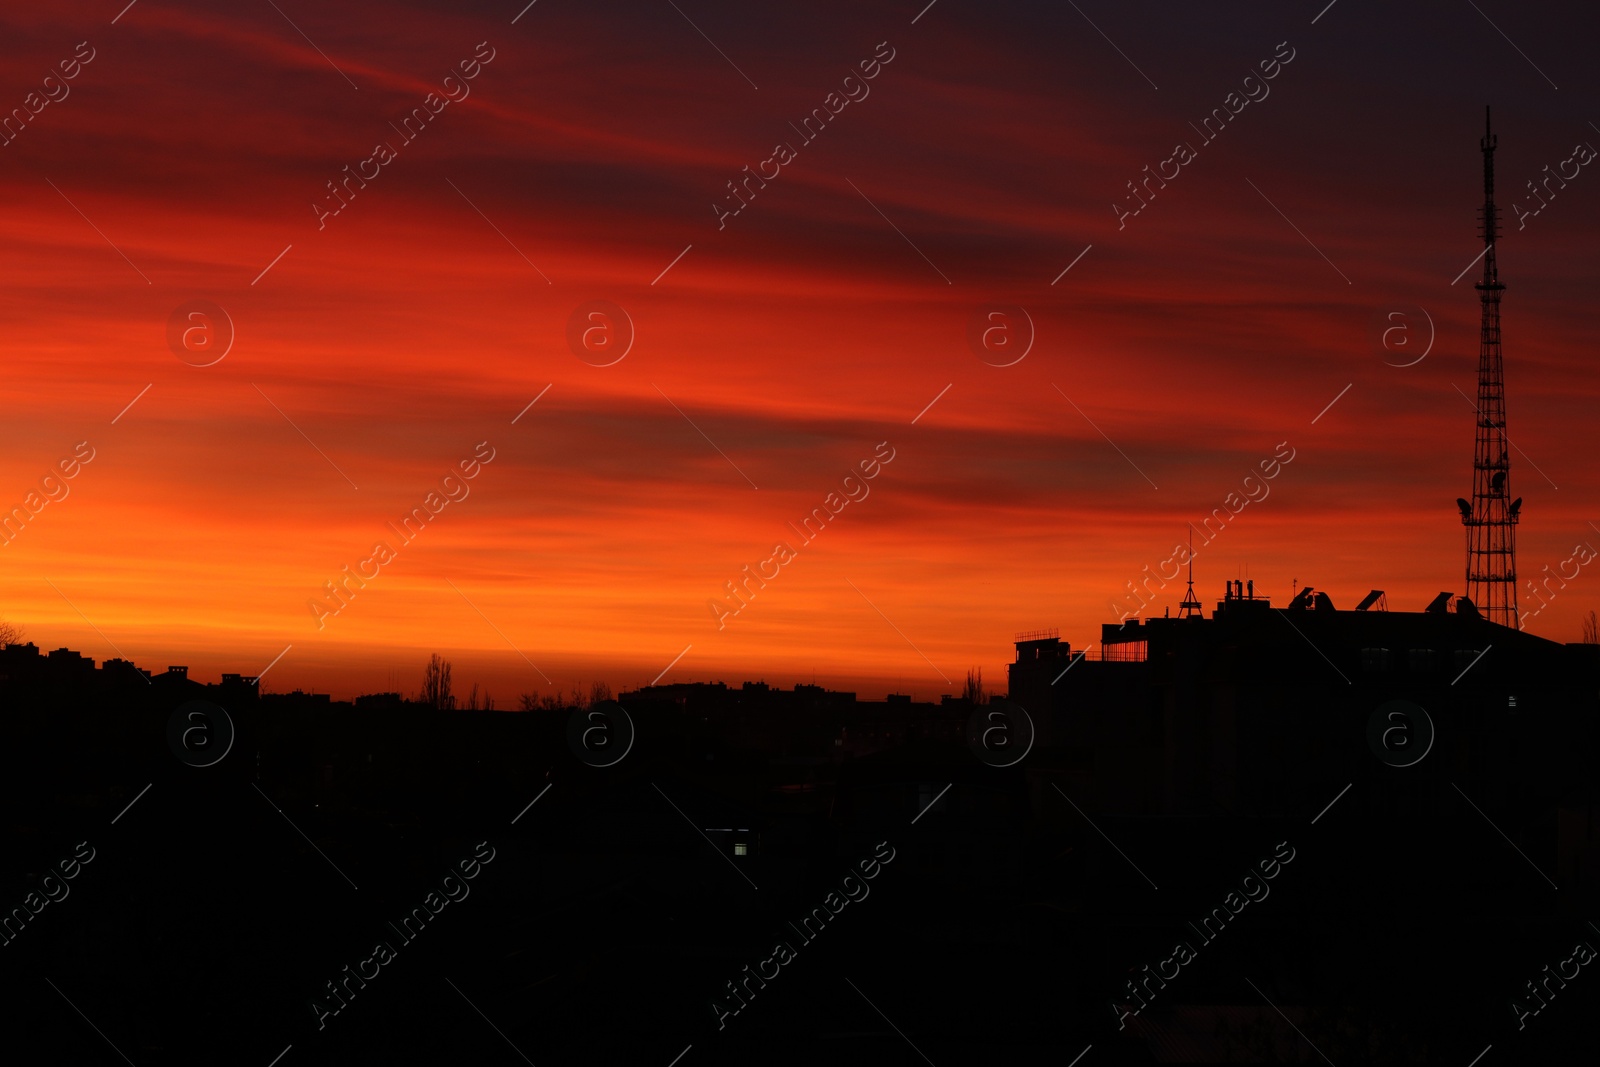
[
  {"x": 1491, "y": 516},
  {"x": 1191, "y": 603}
]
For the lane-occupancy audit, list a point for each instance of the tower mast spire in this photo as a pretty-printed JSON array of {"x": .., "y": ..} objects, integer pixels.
[
  {"x": 1491, "y": 516},
  {"x": 1190, "y": 606}
]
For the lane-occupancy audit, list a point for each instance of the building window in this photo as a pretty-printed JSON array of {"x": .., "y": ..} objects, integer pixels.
[
  {"x": 740, "y": 849},
  {"x": 1374, "y": 659},
  {"x": 1421, "y": 660}
]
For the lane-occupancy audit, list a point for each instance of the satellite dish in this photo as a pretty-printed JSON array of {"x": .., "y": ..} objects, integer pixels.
[
  {"x": 1516, "y": 506},
  {"x": 1466, "y": 508}
]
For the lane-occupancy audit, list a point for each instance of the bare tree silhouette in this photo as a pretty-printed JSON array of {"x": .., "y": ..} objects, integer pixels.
[
  {"x": 436, "y": 685},
  {"x": 11, "y": 633},
  {"x": 973, "y": 690}
]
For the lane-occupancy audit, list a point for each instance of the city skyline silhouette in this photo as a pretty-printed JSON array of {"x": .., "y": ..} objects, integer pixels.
[{"x": 687, "y": 533}]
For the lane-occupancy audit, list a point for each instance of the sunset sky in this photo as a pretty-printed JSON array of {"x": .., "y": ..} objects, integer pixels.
[{"x": 774, "y": 349}]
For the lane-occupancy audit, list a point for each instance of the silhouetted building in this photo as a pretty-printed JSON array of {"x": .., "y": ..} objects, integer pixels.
[{"x": 1256, "y": 709}]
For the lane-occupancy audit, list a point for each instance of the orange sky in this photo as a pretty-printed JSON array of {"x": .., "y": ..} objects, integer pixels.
[{"x": 186, "y": 155}]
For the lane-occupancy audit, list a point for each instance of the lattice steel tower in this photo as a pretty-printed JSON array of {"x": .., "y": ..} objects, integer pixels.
[{"x": 1491, "y": 516}]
